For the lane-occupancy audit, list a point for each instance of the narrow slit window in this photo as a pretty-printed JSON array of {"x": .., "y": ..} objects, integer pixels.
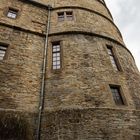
[
  {"x": 3, "y": 49},
  {"x": 112, "y": 58},
  {"x": 61, "y": 16},
  {"x": 69, "y": 15},
  {"x": 12, "y": 13},
  {"x": 116, "y": 93},
  {"x": 56, "y": 56}
]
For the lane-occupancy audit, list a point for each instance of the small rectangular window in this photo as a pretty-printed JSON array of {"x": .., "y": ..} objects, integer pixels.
[
  {"x": 69, "y": 15},
  {"x": 61, "y": 16},
  {"x": 116, "y": 92},
  {"x": 3, "y": 49},
  {"x": 112, "y": 58},
  {"x": 12, "y": 13},
  {"x": 56, "y": 56}
]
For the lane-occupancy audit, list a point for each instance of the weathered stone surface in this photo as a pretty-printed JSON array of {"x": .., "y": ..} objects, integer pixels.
[
  {"x": 21, "y": 71},
  {"x": 28, "y": 18},
  {"x": 91, "y": 124},
  {"x": 78, "y": 103},
  {"x": 89, "y": 4},
  {"x": 83, "y": 21}
]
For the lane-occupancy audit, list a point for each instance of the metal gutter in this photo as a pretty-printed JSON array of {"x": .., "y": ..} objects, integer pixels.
[{"x": 41, "y": 101}]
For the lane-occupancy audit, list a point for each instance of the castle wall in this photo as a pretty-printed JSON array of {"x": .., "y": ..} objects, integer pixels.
[
  {"x": 29, "y": 17},
  {"x": 83, "y": 21},
  {"x": 78, "y": 103},
  {"x": 89, "y": 4},
  {"x": 21, "y": 72},
  {"x": 91, "y": 124},
  {"x": 82, "y": 82},
  {"x": 20, "y": 77}
]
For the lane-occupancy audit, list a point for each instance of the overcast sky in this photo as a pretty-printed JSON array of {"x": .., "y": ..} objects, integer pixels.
[{"x": 126, "y": 14}]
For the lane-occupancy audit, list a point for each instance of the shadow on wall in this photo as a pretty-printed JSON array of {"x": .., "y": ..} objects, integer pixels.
[{"x": 14, "y": 127}]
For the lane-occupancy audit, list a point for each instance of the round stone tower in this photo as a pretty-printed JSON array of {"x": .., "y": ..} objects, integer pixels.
[
  {"x": 65, "y": 73},
  {"x": 94, "y": 93}
]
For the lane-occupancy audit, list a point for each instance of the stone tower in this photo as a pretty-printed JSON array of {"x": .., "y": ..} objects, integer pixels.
[{"x": 65, "y": 73}]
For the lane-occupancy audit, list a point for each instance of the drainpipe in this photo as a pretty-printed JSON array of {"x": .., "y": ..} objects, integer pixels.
[{"x": 41, "y": 101}]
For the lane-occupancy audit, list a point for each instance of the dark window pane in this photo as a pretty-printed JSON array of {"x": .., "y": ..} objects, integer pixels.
[
  {"x": 117, "y": 95},
  {"x": 69, "y": 15},
  {"x": 61, "y": 16},
  {"x": 12, "y": 13},
  {"x": 2, "y": 51},
  {"x": 112, "y": 58}
]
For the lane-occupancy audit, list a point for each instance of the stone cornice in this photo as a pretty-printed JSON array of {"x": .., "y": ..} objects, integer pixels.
[
  {"x": 22, "y": 29},
  {"x": 65, "y": 33},
  {"x": 41, "y": 5},
  {"x": 92, "y": 34}
]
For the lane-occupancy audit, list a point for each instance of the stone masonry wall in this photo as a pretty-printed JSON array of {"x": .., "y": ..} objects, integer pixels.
[
  {"x": 78, "y": 103},
  {"x": 29, "y": 17},
  {"x": 91, "y": 124},
  {"x": 96, "y": 24},
  {"x": 89, "y": 4},
  {"x": 21, "y": 71},
  {"x": 87, "y": 72}
]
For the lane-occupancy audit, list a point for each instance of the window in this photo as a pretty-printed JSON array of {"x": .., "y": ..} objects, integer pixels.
[
  {"x": 116, "y": 92},
  {"x": 112, "y": 58},
  {"x": 3, "y": 49},
  {"x": 12, "y": 13},
  {"x": 69, "y": 15},
  {"x": 61, "y": 16},
  {"x": 56, "y": 56}
]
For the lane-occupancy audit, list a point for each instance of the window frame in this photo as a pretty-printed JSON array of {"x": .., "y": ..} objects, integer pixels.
[
  {"x": 59, "y": 18},
  {"x": 12, "y": 11},
  {"x": 115, "y": 58},
  {"x": 66, "y": 17},
  {"x": 6, "y": 51},
  {"x": 69, "y": 17},
  {"x": 60, "y": 52},
  {"x": 121, "y": 95}
]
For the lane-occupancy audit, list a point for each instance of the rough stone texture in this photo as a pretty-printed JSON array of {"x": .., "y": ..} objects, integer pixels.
[
  {"x": 83, "y": 82},
  {"x": 28, "y": 17},
  {"x": 21, "y": 72},
  {"x": 101, "y": 25},
  {"x": 78, "y": 103},
  {"x": 91, "y": 124},
  {"x": 89, "y": 4}
]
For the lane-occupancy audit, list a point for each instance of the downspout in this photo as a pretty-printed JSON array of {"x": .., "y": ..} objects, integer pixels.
[{"x": 41, "y": 100}]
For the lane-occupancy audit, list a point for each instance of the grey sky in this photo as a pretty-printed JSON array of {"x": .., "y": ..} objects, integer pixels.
[{"x": 127, "y": 17}]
